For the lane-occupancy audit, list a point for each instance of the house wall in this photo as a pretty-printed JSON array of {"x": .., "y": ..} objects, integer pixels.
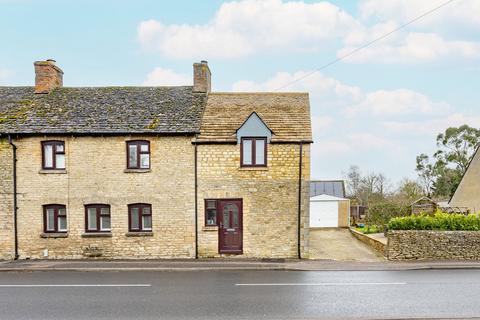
[
  {"x": 344, "y": 214},
  {"x": 270, "y": 198},
  {"x": 6, "y": 201},
  {"x": 95, "y": 174},
  {"x": 466, "y": 195}
]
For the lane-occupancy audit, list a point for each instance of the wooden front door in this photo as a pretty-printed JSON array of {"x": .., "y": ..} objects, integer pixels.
[{"x": 230, "y": 226}]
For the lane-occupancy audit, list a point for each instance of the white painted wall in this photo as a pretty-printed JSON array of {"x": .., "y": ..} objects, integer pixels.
[{"x": 323, "y": 214}]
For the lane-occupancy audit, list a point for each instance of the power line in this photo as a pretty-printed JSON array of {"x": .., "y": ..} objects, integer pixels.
[{"x": 366, "y": 44}]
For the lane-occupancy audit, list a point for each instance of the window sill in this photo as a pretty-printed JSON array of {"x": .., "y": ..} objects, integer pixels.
[
  {"x": 253, "y": 168},
  {"x": 210, "y": 228},
  {"x": 96, "y": 235},
  {"x": 52, "y": 171},
  {"x": 136, "y": 170},
  {"x": 54, "y": 235},
  {"x": 139, "y": 234}
]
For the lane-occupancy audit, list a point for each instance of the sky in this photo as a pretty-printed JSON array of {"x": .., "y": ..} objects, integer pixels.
[{"x": 378, "y": 109}]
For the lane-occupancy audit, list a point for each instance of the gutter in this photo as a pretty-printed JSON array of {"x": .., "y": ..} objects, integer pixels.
[
  {"x": 299, "y": 214},
  {"x": 15, "y": 207}
]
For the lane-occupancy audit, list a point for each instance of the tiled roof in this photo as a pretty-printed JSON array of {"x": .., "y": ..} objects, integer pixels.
[
  {"x": 107, "y": 110},
  {"x": 286, "y": 114}
]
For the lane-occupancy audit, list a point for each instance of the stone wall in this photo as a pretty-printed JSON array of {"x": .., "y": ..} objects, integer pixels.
[
  {"x": 270, "y": 198},
  {"x": 6, "y": 201},
  {"x": 433, "y": 245},
  {"x": 375, "y": 244},
  {"x": 95, "y": 173}
]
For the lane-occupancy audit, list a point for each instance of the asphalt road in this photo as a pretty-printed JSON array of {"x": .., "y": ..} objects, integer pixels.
[{"x": 240, "y": 295}]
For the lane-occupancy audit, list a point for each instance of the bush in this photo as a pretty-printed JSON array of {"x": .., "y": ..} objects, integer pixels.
[
  {"x": 380, "y": 214},
  {"x": 439, "y": 221}
]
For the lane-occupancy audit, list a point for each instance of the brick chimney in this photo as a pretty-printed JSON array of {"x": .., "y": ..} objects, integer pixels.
[
  {"x": 47, "y": 76},
  {"x": 201, "y": 77}
]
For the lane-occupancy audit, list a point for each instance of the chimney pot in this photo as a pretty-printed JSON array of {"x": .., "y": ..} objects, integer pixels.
[
  {"x": 47, "y": 76},
  {"x": 202, "y": 77}
]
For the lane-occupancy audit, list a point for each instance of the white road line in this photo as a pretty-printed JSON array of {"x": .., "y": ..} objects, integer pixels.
[
  {"x": 71, "y": 285},
  {"x": 324, "y": 284}
]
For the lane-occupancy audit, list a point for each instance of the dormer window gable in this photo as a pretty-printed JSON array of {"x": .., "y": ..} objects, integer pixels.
[
  {"x": 253, "y": 137},
  {"x": 254, "y": 126}
]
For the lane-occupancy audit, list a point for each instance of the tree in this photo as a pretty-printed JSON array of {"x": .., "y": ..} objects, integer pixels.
[
  {"x": 408, "y": 191},
  {"x": 353, "y": 177},
  {"x": 426, "y": 173},
  {"x": 441, "y": 176}
]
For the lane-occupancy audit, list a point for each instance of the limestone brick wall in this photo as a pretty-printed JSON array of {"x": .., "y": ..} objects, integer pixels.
[
  {"x": 6, "y": 201},
  {"x": 270, "y": 198},
  {"x": 95, "y": 174},
  {"x": 433, "y": 245}
]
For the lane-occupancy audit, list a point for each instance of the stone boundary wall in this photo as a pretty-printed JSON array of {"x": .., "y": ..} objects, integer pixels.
[
  {"x": 371, "y": 242},
  {"x": 433, "y": 245}
]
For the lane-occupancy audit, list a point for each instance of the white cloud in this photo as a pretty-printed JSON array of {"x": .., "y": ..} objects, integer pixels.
[
  {"x": 166, "y": 77},
  {"x": 4, "y": 75},
  {"x": 245, "y": 27},
  {"x": 393, "y": 103},
  {"x": 326, "y": 92},
  {"x": 413, "y": 47},
  {"x": 453, "y": 15},
  {"x": 430, "y": 127}
]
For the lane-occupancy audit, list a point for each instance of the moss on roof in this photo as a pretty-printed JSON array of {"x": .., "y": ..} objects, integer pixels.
[{"x": 159, "y": 110}]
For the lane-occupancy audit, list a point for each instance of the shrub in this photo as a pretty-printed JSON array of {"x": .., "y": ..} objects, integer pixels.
[
  {"x": 381, "y": 213},
  {"x": 439, "y": 221}
]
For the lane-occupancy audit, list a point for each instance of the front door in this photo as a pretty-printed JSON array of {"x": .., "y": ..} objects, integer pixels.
[{"x": 230, "y": 226}]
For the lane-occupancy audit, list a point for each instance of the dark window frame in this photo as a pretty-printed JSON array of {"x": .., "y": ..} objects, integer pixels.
[
  {"x": 209, "y": 209},
  {"x": 54, "y": 144},
  {"x": 138, "y": 143},
  {"x": 55, "y": 208},
  {"x": 254, "y": 152},
  {"x": 98, "y": 207},
  {"x": 140, "y": 207}
]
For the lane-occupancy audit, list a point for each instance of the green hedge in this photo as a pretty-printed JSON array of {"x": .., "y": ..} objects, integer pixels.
[
  {"x": 439, "y": 221},
  {"x": 379, "y": 214}
]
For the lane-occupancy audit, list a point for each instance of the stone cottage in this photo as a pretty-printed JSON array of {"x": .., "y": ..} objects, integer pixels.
[{"x": 152, "y": 172}]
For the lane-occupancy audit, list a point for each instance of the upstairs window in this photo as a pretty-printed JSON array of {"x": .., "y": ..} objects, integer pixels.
[
  {"x": 54, "y": 218},
  {"x": 97, "y": 218},
  {"x": 139, "y": 217},
  {"x": 253, "y": 152},
  {"x": 53, "y": 155},
  {"x": 138, "y": 154}
]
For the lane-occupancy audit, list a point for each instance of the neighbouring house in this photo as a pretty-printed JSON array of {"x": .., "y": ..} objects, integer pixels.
[
  {"x": 152, "y": 172},
  {"x": 466, "y": 197},
  {"x": 328, "y": 206}
]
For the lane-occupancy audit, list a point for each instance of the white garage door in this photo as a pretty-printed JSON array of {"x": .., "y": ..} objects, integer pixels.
[{"x": 323, "y": 214}]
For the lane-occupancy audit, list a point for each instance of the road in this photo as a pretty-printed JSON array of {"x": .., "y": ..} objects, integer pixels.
[{"x": 240, "y": 295}]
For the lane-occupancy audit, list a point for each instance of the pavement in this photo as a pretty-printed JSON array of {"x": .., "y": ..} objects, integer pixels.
[
  {"x": 247, "y": 294},
  {"x": 233, "y": 264},
  {"x": 339, "y": 245}
]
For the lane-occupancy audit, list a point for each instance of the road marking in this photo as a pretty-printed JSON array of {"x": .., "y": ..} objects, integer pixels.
[
  {"x": 324, "y": 284},
  {"x": 71, "y": 285}
]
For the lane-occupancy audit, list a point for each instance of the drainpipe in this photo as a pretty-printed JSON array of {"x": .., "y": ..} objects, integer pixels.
[
  {"x": 196, "y": 206},
  {"x": 15, "y": 208},
  {"x": 299, "y": 217}
]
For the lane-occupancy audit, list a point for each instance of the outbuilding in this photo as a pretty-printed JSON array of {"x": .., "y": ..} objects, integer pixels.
[{"x": 328, "y": 211}]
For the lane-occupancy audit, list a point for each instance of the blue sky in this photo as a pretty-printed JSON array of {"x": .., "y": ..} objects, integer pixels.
[{"x": 377, "y": 109}]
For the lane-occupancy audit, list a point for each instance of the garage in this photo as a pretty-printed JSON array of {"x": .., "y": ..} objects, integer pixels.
[{"x": 329, "y": 212}]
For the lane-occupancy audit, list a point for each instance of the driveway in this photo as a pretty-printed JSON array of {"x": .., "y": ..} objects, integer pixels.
[{"x": 340, "y": 245}]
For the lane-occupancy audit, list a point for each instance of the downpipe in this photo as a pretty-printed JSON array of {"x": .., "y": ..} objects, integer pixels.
[{"x": 15, "y": 206}]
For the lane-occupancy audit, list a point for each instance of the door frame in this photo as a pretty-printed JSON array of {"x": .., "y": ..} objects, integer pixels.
[{"x": 240, "y": 222}]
